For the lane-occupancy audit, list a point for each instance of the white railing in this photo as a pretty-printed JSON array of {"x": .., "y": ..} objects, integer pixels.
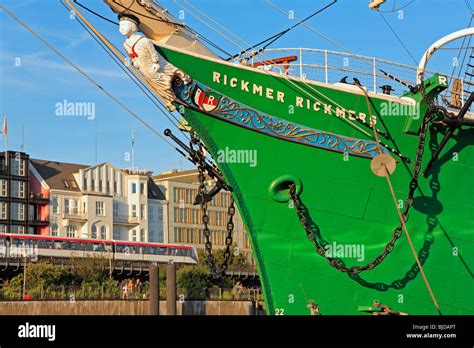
[{"x": 331, "y": 67}]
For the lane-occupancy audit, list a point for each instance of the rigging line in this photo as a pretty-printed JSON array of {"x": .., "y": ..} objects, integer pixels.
[
  {"x": 222, "y": 27},
  {"x": 95, "y": 13},
  {"x": 192, "y": 31},
  {"x": 455, "y": 48},
  {"x": 208, "y": 25},
  {"x": 398, "y": 9},
  {"x": 465, "y": 52},
  {"x": 80, "y": 71},
  {"x": 395, "y": 201},
  {"x": 140, "y": 84},
  {"x": 468, "y": 6},
  {"x": 352, "y": 124},
  {"x": 457, "y": 59},
  {"x": 314, "y": 30},
  {"x": 145, "y": 16},
  {"x": 398, "y": 38},
  {"x": 148, "y": 93},
  {"x": 277, "y": 36}
]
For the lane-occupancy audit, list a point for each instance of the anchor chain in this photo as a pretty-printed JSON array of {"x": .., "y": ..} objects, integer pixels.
[
  {"x": 202, "y": 191},
  {"x": 397, "y": 232}
]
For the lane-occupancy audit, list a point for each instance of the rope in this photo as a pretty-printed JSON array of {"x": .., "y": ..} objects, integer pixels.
[
  {"x": 395, "y": 201},
  {"x": 144, "y": 88},
  {"x": 95, "y": 13},
  {"x": 313, "y": 30},
  {"x": 192, "y": 31},
  {"x": 80, "y": 71},
  {"x": 277, "y": 36},
  {"x": 398, "y": 37}
]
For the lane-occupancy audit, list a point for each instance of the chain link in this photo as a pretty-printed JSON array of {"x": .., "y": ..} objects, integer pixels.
[
  {"x": 217, "y": 272},
  {"x": 397, "y": 232}
]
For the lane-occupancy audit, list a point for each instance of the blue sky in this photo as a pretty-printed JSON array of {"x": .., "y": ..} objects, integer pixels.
[{"x": 29, "y": 92}]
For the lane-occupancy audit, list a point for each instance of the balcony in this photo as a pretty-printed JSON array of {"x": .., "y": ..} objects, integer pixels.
[
  {"x": 39, "y": 198},
  {"x": 75, "y": 215},
  {"x": 125, "y": 220}
]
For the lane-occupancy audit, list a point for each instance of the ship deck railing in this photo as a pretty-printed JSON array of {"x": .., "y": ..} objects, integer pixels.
[{"x": 331, "y": 67}]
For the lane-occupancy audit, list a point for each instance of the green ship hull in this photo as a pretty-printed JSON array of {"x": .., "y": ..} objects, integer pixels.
[{"x": 350, "y": 204}]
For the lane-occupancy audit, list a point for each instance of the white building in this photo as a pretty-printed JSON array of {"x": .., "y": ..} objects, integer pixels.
[{"x": 102, "y": 202}]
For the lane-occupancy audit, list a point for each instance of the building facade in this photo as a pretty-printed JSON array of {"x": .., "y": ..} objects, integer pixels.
[
  {"x": 24, "y": 205},
  {"x": 185, "y": 219},
  {"x": 101, "y": 202}
]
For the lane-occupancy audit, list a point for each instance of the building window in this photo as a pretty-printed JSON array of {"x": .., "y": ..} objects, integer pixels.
[
  {"x": 66, "y": 206},
  {"x": 74, "y": 208},
  {"x": 84, "y": 207},
  {"x": 134, "y": 188},
  {"x": 15, "y": 189},
  {"x": 3, "y": 228},
  {"x": 151, "y": 217},
  {"x": 103, "y": 232},
  {"x": 54, "y": 230},
  {"x": 142, "y": 211},
  {"x": 115, "y": 209},
  {"x": 3, "y": 210},
  {"x": 21, "y": 189},
  {"x": 17, "y": 229},
  {"x": 142, "y": 188},
  {"x": 18, "y": 211},
  {"x": 55, "y": 205},
  {"x": 115, "y": 186},
  {"x": 117, "y": 234},
  {"x": 92, "y": 184},
  {"x": 134, "y": 210},
  {"x": 3, "y": 188},
  {"x": 134, "y": 235},
  {"x": 160, "y": 213},
  {"x": 18, "y": 166},
  {"x": 142, "y": 235},
  {"x": 21, "y": 167},
  {"x": 99, "y": 209},
  {"x": 71, "y": 231},
  {"x": 84, "y": 184},
  {"x": 100, "y": 185},
  {"x": 94, "y": 232}
]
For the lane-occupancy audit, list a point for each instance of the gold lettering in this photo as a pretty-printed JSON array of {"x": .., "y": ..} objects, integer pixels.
[
  {"x": 257, "y": 89},
  {"x": 299, "y": 102}
]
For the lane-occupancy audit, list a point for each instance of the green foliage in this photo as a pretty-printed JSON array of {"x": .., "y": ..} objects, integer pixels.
[
  {"x": 91, "y": 269},
  {"x": 46, "y": 281},
  {"x": 39, "y": 276},
  {"x": 195, "y": 279},
  {"x": 237, "y": 259}
]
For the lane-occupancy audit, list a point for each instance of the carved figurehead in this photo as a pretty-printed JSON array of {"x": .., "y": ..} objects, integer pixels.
[{"x": 156, "y": 70}]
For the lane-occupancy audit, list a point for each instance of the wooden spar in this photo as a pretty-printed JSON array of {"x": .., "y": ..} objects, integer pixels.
[{"x": 116, "y": 52}]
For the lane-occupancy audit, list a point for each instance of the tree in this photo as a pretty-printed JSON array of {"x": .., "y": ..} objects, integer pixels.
[
  {"x": 195, "y": 279},
  {"x": 39, "y": 277},
  {"x": 237, "y": 259}
]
